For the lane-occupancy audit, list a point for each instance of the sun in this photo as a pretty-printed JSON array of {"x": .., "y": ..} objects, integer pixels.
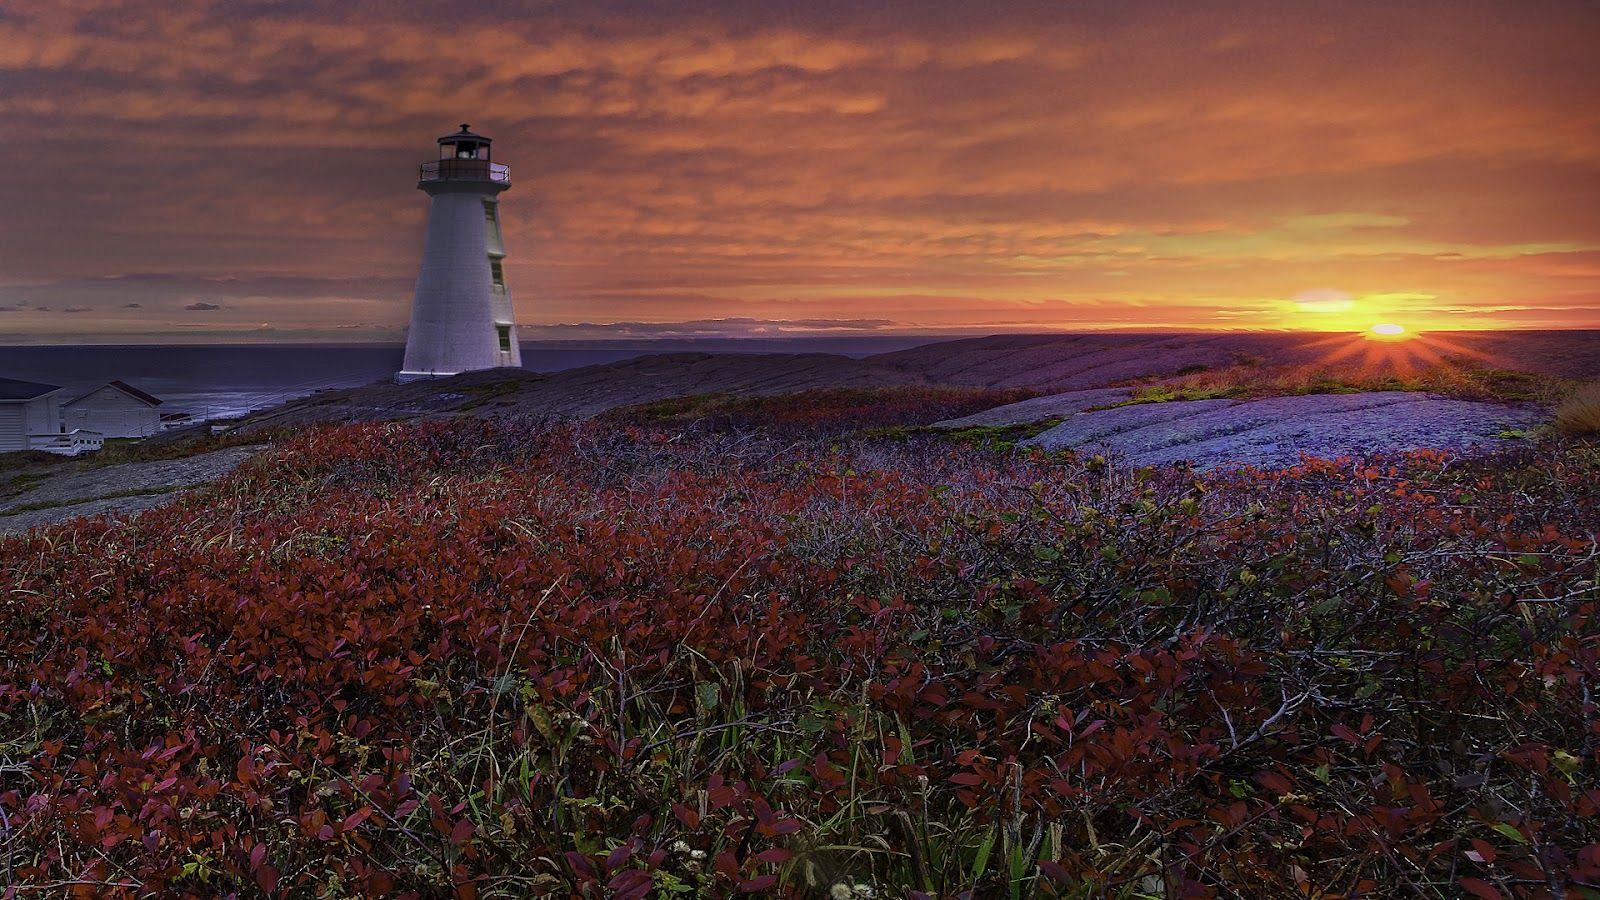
[{"x": 1387, "y": 331}]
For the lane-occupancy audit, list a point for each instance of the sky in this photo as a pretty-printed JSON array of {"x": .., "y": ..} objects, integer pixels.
[{"x": 213, "y": 172}]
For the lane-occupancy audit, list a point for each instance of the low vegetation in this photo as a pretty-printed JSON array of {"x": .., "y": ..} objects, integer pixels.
[
  {"x": 1579, "y": 414},
  {"x": 672, "y": 654},
  {"x": 1252, "y": 381},
  {"x": 821, "y": 412}
]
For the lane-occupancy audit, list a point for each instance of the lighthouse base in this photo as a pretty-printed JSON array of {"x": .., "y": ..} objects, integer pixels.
[{"x": 408, "y": 377}]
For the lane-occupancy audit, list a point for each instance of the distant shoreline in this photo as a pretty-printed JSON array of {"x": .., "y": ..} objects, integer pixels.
[{"x": 918, "y": 337}]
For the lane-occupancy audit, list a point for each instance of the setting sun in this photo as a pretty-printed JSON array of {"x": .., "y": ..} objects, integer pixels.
[{"x": 1388, "y": 331}]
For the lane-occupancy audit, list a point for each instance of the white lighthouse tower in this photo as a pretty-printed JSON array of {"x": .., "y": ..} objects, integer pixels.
[{"x": 461, "y": 317}]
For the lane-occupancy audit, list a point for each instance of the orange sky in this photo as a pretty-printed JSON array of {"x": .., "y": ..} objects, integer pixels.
[{"x": 246, "y": 171}]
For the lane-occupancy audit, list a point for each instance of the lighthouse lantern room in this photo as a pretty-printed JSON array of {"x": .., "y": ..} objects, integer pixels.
[{"x": 461, "y": 317}]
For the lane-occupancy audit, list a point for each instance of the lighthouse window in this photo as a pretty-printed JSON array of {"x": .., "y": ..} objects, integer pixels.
[
  {"x": 497, "y": 270},
  {"x": 504, "y": 331}
]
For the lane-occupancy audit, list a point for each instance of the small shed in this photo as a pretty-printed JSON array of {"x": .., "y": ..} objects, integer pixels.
[
  {"x": 116, "y": 410},
  {"x": 171, "y": 420},
  {"x": 30, "y": 415}
]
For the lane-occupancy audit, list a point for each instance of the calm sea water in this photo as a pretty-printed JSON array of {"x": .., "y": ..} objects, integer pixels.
[{"x": 219, "y": 381}]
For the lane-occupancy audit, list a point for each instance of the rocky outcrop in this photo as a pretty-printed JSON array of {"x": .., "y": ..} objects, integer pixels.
[
  {"x": 116, "y": 489},
  {"x": 1039, "y": 409},
  {"x": 1278, "y": 431}
]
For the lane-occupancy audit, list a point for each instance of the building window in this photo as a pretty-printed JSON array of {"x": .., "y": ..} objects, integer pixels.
[
  {"x": 497, "y": 271},
  {"x": 491, "y": 220},
  {"x": 504, "y": 331}
]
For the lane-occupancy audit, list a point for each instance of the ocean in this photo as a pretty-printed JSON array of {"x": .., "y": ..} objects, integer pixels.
[{"x": 221, "y": 381}]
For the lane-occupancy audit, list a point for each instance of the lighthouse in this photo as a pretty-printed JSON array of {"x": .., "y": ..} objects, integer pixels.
[{"x": 461, "y": 317}]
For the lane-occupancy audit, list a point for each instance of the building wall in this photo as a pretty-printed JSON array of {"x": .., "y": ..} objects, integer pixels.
[
  {"x": 13, "y": 430},
  {"x": 113, "y": 414},
  {"x": 453, "y": 315},
  {"x": 44, "y": 414}
]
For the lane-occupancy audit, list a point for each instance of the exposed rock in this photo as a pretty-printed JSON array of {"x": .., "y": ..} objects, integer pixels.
[
  {"x": 1058, "y": 363},
  {"x": 1038, "y": 409},
  {"x": 118, "y": 489},
  {"x": 1276, "y": 432}
]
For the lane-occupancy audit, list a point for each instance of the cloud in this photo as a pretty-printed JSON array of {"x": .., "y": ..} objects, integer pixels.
[
  {"x": 202, "y": 306},
  {"x": 1324, "y": 300},
  {"x": 936, "y": 165}
]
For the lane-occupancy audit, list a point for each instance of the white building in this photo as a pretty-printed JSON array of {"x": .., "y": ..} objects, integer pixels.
[
  {"x": 27, "y": 408},
  {"x": 461, "y": 318},
  {"x": 30, "y": 419},
  {"x": 115, "y": 410}
]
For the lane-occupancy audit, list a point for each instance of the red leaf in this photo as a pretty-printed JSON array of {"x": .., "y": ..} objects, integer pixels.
[
  {"x": 618, "y": 857},
  {"x": 1481, "y": 888},
  {"x": 687, "y": 816},
  {"x": 355, "y": 819},
  {"x": 1054, "y": 870},
  {"x": 1343, "y": 732},
  {"x": 1275, "y": 782},
  {"x": 1485, "y": 850},
  {"x": 581, "y": 865},
  {"x": 775, "y": 855}
]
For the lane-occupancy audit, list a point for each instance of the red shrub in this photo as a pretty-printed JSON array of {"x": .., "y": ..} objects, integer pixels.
[{"x": 609, "y": 660}]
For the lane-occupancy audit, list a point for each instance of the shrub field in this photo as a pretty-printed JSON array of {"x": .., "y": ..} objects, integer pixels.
[{"x": 631, "y": 658}]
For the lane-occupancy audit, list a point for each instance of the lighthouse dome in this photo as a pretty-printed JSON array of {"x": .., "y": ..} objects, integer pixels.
[{"x": 464, "y": 144}]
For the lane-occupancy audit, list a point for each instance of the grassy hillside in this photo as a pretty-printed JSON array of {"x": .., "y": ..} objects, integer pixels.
[{"x": 640, "y": 655}]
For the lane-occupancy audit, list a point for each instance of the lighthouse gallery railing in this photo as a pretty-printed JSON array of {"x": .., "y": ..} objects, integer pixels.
[{"x": 465, "y": 170}]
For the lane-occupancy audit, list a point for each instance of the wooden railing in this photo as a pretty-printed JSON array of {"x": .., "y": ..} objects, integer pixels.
[{"x": 68, "y": 443}]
